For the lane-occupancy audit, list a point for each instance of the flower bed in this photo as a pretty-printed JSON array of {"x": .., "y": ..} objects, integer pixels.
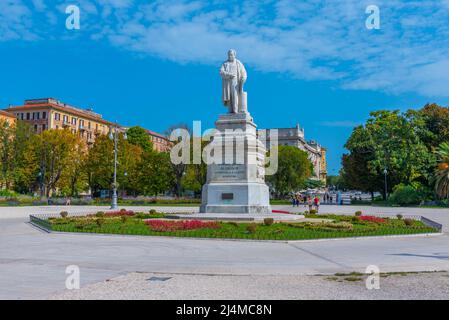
[{"x": 325, "y": 226}]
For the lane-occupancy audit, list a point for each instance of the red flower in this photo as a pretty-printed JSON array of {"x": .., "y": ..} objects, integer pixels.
[
  {"x": 167, "y": 226},
  {"x": 119, "y": 213},
  {"x": 372, "y": 219}
]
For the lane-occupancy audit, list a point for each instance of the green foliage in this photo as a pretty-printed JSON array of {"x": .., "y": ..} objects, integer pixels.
[
  {"x": 294, "y": 168},
  {"x": 314, "y": 184},
  {"x": 436, "y": 122},
  {"x": 441, "y": 178},
  {"x": 391, "y": 140},
  {"x": 138, "y": 136},
  {"x": 358, "y": 213},
  {"x": 335, "y": 181},
  {"x": 155, "y": 174},
  {"x": 268, "y": 221},
  {"x": 63, "y": 214},
  {"x": 405, "y": 195}
]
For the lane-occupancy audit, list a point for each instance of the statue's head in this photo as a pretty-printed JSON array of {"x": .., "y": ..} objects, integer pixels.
[{"x": 231, "y": 55}]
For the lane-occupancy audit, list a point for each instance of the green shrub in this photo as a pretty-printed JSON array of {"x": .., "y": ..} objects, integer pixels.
[
  {"x": 358, "y": 213},
  {"x": 124, "y": 219},
  {"x": 408, "y": 222},
  {"x": 268, "y": 221},
  {"x": 64, "y": 214},
  {"x": 152, "y": 211},
  {"x": 251, "y": 228},
  {"x": 405, "y": 196},
  {"x": 233, "y": 223},
  {"x": 313, "y": 211},
  {"x": 99, "y": 214},
  {"x": 8, "y": 193},
  {"x": 100, "y": 221},
  {"x": 399, "y": 216}
]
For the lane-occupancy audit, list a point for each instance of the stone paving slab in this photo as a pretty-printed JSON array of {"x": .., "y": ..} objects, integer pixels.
[{"x": 32, "y": 263}]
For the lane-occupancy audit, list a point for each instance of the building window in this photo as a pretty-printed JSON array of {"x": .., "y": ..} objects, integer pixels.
[
  {"x": 35, "y": 128},
  {"x": 65, "y": 119},
  {"x": 74, "y": 121},
  {"x": 57, "y": 116},
  {"x": 44, "y": 127},
  {"x": 44, "y": 115},
  {"x": 88, "y": 124},
  {"x": 28, "y": 116}
]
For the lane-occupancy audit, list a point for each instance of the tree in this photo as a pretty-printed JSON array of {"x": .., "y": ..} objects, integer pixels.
[
  {"x": 129, "y": 166},
  {"x": 441, "y": 178},
  {"x": 436, "y": 119},
  {"x": 100, "y": 164},
  {"x": 294, "y": 168},
  {"x": 179, "y": 170},
  {"x": 156, "y": 173},
  {"x": 196, "y": 174},
  {"x": 25, "y": 165},
  {"x": 7, "y": 132},
  {"x": 389, "y": 140},
  {"x": 74, "y": 178},
  {"x": 335, "y": 182},
  {"x": 138, "y": 136},
  {"x": 57, "y": 152}
]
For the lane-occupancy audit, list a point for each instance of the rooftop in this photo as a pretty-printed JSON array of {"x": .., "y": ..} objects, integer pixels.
[{"x": 54, "y": 103}]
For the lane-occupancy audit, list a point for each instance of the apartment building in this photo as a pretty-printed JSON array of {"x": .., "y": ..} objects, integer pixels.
[
  {"x": 49, "y": 113},
  {"x": 160, "y": 142},
  {"x": 8, "y": 117}
]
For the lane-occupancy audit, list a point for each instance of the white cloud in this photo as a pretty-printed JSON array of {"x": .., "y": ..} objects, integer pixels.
[
  {"x": 15, "y": 21},
  {"x": 312, "y": 40}
]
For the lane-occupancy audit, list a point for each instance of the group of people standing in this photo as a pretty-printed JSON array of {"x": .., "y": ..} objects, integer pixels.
[{"x": 312, "y": 202}]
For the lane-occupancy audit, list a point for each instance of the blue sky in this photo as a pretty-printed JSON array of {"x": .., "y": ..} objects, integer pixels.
[{"x": 155, "y": 63}]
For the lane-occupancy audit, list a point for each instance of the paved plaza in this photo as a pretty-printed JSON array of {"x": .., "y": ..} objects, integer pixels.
[{"x": 33, "y": 263}]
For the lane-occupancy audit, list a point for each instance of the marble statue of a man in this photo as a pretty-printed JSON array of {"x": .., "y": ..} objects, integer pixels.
[{"x": 234, "y": 76}]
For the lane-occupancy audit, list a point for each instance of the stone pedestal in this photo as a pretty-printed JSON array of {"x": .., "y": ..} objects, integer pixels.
[{"x": 236, "y": 178}]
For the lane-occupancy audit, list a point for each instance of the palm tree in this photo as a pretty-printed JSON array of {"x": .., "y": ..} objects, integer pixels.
[{"x": 442, "y": 172}]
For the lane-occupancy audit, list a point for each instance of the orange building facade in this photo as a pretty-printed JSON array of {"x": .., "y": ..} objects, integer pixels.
[{"x": 49, "y": 113}]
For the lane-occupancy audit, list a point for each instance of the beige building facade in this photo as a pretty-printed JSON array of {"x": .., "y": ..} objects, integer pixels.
[{"x": 296, "y": 137}]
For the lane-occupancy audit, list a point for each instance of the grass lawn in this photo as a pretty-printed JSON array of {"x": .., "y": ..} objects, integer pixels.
[{"x": 139, "y": 224}]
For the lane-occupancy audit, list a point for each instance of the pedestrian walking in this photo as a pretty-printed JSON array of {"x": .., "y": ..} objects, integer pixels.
[
  {"x": 316, "y": 202},
  {"x": 310, "y": 203}
]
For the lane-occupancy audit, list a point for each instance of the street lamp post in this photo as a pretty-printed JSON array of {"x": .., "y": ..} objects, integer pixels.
[
  {"x": 113, "y": 135},
  {"x": 386, "y": 186}
]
